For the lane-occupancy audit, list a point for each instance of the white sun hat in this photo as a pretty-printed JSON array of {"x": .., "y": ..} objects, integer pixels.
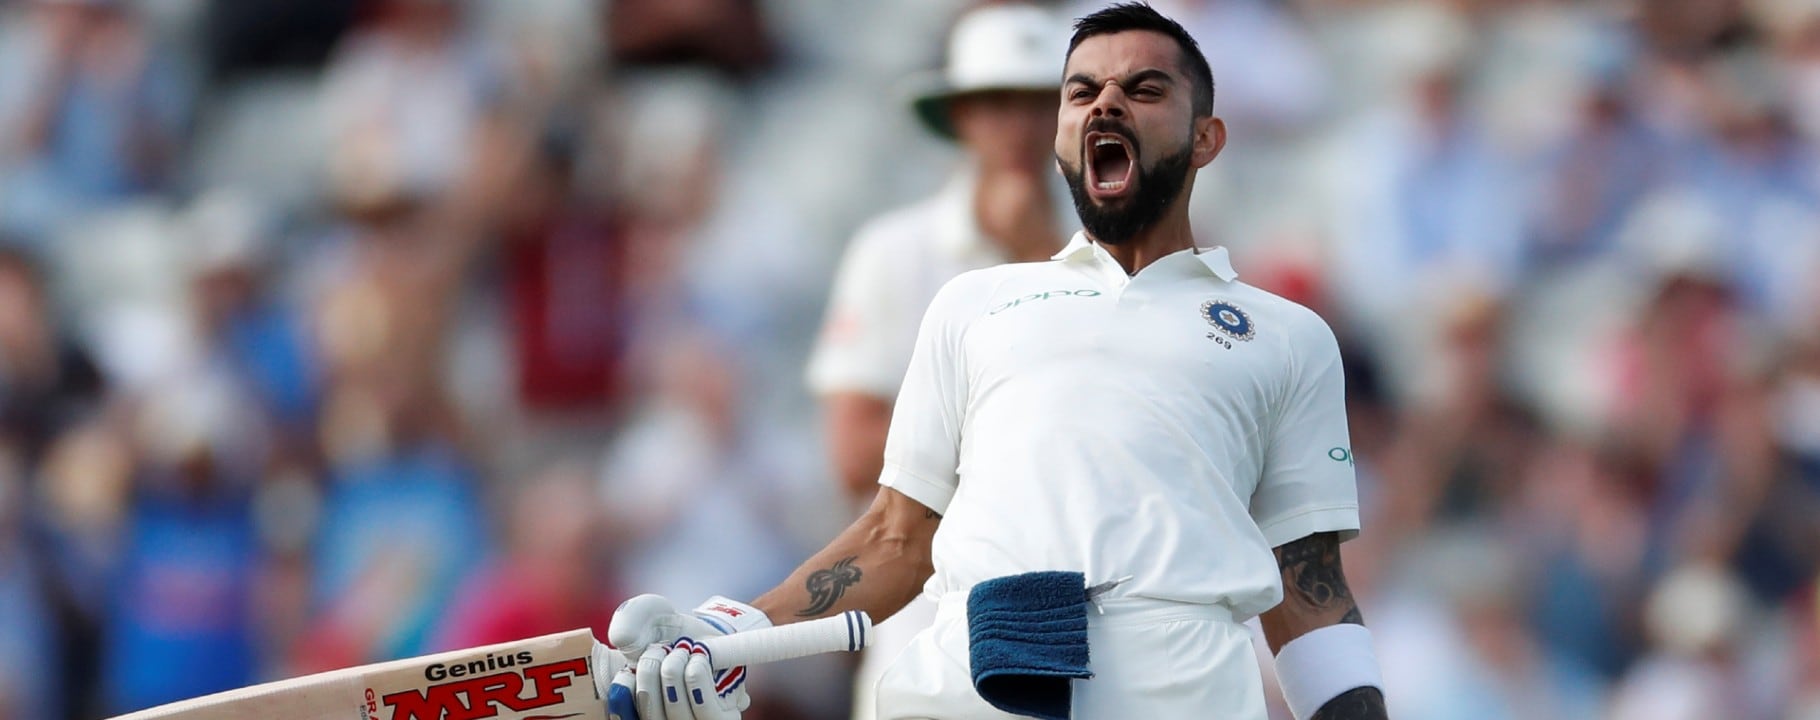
[{"x": 997, "y": 47}]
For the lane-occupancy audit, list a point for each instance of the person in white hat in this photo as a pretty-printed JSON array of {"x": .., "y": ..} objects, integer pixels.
[{"x": 996, "y": 98}]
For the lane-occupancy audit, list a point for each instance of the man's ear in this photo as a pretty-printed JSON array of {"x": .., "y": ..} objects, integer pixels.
[{"x": 1209, "y": 139}]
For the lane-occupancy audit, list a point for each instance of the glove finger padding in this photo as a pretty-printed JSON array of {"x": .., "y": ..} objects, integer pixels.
[
  {"x": 678, "y": 705},
  {"x": 709, "y": 704},
  {"x": 649, "y": 680}
]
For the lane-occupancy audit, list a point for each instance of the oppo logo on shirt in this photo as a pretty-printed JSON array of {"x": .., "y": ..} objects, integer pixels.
[{"x": 1007, "y": 305}]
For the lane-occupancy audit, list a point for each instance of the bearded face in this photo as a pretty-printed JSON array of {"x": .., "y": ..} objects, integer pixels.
[
  {"x": 1128, "y": 138},
  {"x": 1115, "y": 196}
]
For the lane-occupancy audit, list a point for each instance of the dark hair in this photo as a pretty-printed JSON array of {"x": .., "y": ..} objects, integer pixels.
[{"x": 1126, "y": 16}]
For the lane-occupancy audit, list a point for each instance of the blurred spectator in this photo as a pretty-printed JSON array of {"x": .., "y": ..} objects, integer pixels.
[
  {"x": 403, "y": 524},
  {"x": 1454, "y": 642},
  {"x": 1427, "y": 203},
  {"x": 31, "y": 662},
  {"x": 402, "y": 530},
  {"x": 997, "y": 101},
  {"x": 568, "y": 278},
  {"x": 91, "y": 112},
  {"x": 1593, "y": 179},
  {"x": 245, "y": 329},
  {"x": 181, "y": 620},
  {"x": 1693, "y": 619},
  {"x": 48, "y": 386},
  {"x": 692, "y": 494},
  {"x": 686, "y": 452},
  {"x": 553, "y": 571},
  {"x": 404, "y": 97},
  {"x": 47, "y": 380}
]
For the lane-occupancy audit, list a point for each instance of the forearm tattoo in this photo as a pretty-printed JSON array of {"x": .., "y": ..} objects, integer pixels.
[
  {"x": 1313, "y": 579},
  {"x": 826, "y": 586},
  {"x": 1362, "y": 703}
]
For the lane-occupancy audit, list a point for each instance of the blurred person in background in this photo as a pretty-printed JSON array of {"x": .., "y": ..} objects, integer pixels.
[
  {"x": 31, "y": 659},
  {"x": 1779, "y": 549},
  {"x": 402, "y": 523},
  {"x": 402, "y": 526},
  {"x": 50, "y": 386},
  {"x": 404, "y": 98},
  {"x": 48, "y": 380},
  {"x": 686, "y": 456},
  {"x": 1424, "y": 199},
  {"x": 181, "y": 619},
  {"x": 567, "y": 279},
  {"x": 1593, "y": 177},
  {"x": 1695, "y": 620},
  {"x": 1457, "y": 642},
  {"x": 1429, "y": 197},
  {"x": 997, "y": 99},
  {"x": 554, "y": 569},
  {"x": 246, "y": 329},
  {"x": 1463, "y": 446},
  {"x": 90, "y": 113}
]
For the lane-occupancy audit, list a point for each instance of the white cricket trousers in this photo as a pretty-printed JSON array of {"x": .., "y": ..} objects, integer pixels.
[
  {"x": 888, "y": 640},
  {"x": 1150, "y": 659}
]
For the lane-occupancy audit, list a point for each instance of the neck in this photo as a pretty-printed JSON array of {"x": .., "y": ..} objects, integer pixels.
[
  {"x": 1015, "y": 212},
  {"x": 1171, "y": 234}
]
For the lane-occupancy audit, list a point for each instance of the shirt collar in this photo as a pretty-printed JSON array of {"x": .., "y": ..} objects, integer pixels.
[{"x": 1217, "y": 260}]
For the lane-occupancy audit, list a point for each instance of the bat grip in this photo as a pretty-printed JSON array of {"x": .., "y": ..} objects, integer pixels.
[{"x": 846, "y": 632}]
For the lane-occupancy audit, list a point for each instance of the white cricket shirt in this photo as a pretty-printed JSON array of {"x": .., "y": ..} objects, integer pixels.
[
  {"x": 1173, "y": 426},
  {"x": 891, "y": 269}
]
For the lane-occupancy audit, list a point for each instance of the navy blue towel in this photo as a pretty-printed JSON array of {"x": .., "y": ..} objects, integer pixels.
[{"x": 1029, "y": 641}]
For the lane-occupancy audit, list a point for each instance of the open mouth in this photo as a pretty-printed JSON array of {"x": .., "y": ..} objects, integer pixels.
[{"x": 1109, "y": 164}]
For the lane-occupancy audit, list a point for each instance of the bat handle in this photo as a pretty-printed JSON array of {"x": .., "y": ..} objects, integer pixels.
[{"x": 847, "y": 632}]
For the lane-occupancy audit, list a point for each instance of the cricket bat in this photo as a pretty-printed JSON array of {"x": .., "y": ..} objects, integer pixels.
[{"x": 565, "y": 676}]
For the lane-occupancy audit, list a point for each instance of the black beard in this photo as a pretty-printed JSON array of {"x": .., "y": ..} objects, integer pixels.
[{"x": 1158, "y": 186}]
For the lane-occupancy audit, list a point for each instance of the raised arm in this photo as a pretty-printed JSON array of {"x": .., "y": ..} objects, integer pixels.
[
  {"x": 878, "y": 564},
  {"x": 1315, "y": 598}
]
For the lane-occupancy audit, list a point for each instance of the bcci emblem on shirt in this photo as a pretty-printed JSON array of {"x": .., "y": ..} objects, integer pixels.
[{"x": 1229, "y": 319}]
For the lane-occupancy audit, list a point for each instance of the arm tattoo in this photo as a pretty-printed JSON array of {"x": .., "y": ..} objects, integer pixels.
[
  {"x": 826, "y": 586},
  {"x": 1312, "y": 576},
  {"x": 1361, "y": 703}
]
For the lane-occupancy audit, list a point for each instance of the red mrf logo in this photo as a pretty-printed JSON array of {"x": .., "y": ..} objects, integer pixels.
[{"x": 485, "y": 696}]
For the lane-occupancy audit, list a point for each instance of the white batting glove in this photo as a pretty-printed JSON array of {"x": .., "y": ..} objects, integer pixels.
[{"x": 650, "y": 631}]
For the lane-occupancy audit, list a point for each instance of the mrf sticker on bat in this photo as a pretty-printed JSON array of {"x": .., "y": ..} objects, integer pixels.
[{"x": 523, "y": 685}]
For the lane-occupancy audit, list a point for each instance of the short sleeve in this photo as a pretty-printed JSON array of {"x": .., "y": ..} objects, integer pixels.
[
  {"x": 1308, "y": 485},
  {"x": 922, "y": 451},
  {"x": 865, "y": 336}
]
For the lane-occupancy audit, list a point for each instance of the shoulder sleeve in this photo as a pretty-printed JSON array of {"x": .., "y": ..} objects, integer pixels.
[
  {"x": 1308, "y": 485},
  {"x": 922, "y": 451},
  {"x": 864, "y": 343}
]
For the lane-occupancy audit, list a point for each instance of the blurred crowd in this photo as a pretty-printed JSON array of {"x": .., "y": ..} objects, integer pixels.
[{"x": 334, "y": 331}]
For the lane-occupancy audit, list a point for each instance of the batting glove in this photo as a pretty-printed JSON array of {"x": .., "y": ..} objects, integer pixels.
[{"x": 674, "y": 678}]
